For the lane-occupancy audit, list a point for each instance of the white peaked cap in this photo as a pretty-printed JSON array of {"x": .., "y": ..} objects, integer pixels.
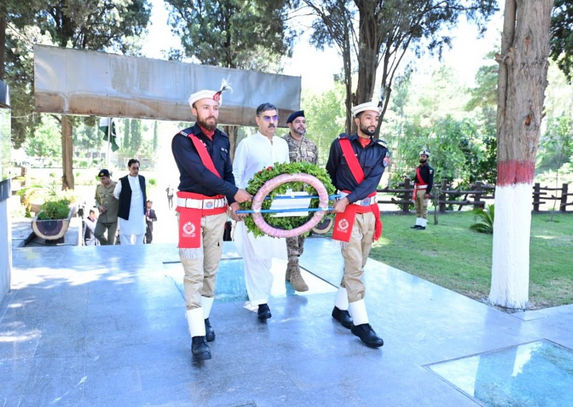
[
  {"x": 366, "y": 106},
  {"x": 206, "y": 94},
  {"x": 425, "y": 152}
]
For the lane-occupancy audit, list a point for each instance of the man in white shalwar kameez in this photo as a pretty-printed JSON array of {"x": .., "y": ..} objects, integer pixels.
[
  {"x": 257, "y": 152},
  {"x": 131, "y": 193}
]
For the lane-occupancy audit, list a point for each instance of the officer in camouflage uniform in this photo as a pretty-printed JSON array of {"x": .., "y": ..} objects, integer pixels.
[{"x": 300, "y": 149}]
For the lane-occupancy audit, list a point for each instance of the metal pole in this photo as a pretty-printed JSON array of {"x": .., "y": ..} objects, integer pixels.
[{"x": 107, "y": 158}]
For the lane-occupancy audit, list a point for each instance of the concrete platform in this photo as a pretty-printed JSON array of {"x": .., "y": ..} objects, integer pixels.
[{"x": 105, "y": 326}]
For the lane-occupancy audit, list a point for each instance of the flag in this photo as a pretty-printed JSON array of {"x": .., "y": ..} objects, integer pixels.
[{"x": 104, "y": 128}]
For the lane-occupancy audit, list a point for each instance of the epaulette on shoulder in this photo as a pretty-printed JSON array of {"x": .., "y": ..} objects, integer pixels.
[
  {"x": 184, "y": 133},
  {"x": 382, "y": 143},
  {"x": 343, "y": 135}
]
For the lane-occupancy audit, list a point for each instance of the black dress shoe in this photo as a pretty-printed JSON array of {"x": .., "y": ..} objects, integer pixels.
[
  {"x": 421, "y": 228},
  {"x": 209, "y": 331},
  {"x": 264, "y": 312},
  {"x": 343, "y": 317},
  {"x": 415, "y": 227},
  {"x": 367, "y": 335},
  {"x": 200, "y": 349}
]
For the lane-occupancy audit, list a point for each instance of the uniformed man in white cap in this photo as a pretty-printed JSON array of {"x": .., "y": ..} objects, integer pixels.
[
  {"x": 355, "y": 165},
  {"x": 423, "y": 182},
  {"x": 206, "y": 188}
]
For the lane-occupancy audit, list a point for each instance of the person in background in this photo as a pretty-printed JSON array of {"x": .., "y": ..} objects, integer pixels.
[
  {"x": 355, "y": 165},
  {"x": 131, "y": 193},
  {"x": 150, "y": 217},
  {"x": 423, "y": 182},
  {"x": 300, "y": 149},
  {"x": 89, "y": 229},
  {"x": 107, "y": 205},
  {"x": 170, "y": 193}
]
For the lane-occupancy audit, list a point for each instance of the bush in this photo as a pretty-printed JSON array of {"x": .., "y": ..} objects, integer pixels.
[
  {"x": 54, "y": 210},
  {"x": 486, "y": 225}
]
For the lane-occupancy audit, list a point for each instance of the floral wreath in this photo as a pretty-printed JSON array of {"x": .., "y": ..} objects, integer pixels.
[{"x": 270, "y": 173}]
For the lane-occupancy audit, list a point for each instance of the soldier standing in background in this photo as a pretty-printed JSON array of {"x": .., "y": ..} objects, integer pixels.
[
  {"x": 300, "y": 149},
  {"x": 423, "y": 182}
]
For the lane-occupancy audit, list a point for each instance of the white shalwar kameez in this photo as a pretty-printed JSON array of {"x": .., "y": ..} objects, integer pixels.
[
  {"x": 132, "y": 230},
  {"x": 253, "y": 154}
]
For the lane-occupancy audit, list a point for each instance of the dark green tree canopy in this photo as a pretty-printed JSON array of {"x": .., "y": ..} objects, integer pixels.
[
  {"x": 562, "y": 36},
  {"x": 233, "y": 33}
]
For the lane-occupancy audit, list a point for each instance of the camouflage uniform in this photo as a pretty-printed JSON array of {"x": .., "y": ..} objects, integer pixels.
[{"x": 306, "y": 151}]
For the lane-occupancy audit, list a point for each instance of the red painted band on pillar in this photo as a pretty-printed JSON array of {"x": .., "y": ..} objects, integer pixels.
[{"x": 515, "y": 172}]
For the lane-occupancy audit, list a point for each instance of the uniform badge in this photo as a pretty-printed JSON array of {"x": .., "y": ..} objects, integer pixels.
[
  {"x": 188, "y": 230},
  {"x": 342, "y": 225},
  {"x": 209, "y": 205}
]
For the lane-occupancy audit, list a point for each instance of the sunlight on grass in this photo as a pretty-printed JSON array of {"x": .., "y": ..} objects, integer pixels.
[{"x": 453, "y": 256}]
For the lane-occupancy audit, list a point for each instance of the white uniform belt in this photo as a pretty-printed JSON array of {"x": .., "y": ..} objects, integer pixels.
[
  {"x": 202, "y": 203},
  {"x": 420, "y": 186},
  {"x": 364, "y": 202}
]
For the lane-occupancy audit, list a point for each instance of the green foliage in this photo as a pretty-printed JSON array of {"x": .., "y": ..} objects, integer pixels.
[
  {"x": 447, "y": 255},
  {"x": 487, "y": 218},
  {"x": 45, "y": 141},
  {"x": 556, "y": 143},
  {"x": 96, "y": 25},
  {"x": 232, "y": 33},
  {"x": 59, "y": 209},
  {"x": 325, "y": 115},
  {"x": 260, "y": 178},
  {"x": 562, "y": 36}
]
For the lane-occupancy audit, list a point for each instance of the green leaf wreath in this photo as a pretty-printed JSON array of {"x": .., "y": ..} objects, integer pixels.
[{"x": 291, "y": 222}]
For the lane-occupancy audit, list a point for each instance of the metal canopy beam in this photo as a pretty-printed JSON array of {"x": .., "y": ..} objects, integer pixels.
[{"x": 79, "y": 82}]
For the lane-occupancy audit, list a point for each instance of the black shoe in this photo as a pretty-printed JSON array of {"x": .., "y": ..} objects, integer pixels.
[
  {"x": 200, "y": 349},
  {"x": 264, "y": 312},
  {"x": 209, "y": 331},
  {"x": 421, "y": 228},
  {"x": 343, "y": 317},
  {"x": 367, "y": 335},
  {"x": 415, "y": 227}
]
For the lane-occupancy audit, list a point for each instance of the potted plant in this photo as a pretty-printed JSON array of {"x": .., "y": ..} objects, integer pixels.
[{"x": 53, "y": 220}]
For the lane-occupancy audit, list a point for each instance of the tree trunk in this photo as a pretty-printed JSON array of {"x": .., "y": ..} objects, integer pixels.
[
  {"x": 368, "y": 51},
  {"x": 2, "y": 40},
  {"x": 232, "y": 131},
  {"x": 67, "y": 154},
  {"x": 522, "y": 83}
]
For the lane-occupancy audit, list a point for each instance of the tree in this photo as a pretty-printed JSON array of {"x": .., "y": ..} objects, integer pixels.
[
  {"x": 387, "y": 29},
  {"x": 334, "y": 26},
  {"x": 562, "y": 36},
  {"x": 233, "y": 34},
  {"x": 325, "y": 115},
  {"x": 521, "y": 87},
  {"x": 96, "y": 25},
  {"x": 45, "y": 143}
]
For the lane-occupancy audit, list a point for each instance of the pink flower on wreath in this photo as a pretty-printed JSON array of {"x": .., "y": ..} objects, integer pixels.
[{"x": 269, "y": 168}]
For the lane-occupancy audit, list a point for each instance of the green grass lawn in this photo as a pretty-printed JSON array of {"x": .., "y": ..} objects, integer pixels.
[{"x": 451, "y": 255}]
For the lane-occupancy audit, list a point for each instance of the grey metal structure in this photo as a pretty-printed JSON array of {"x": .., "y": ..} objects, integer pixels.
[{"x": 80, "y": 82}]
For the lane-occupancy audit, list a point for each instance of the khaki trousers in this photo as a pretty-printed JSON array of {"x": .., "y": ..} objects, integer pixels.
[
  {"x": 421, "y": 204},
  {"x": 201, "y": 264},
  {"x": 355, "y": 254},
  {"x": 111, "y": 231}
]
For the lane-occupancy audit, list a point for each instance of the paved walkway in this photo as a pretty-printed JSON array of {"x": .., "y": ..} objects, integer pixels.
[{"x": 105, "y": 326}]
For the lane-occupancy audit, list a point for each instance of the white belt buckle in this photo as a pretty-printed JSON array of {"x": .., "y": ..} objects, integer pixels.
[
  {"x": 365, "y": 202},
  {"x": 209, "y": 204}
]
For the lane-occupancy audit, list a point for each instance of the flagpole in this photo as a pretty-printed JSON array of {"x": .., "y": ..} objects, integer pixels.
[{"x": 108, "y": 143}]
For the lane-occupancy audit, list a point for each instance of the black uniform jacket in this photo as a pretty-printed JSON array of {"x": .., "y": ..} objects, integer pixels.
[
  {"x": 194, "y": 176},
  {"x": 372, "y": 159},
  {"x": 427, "y": 174}
]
